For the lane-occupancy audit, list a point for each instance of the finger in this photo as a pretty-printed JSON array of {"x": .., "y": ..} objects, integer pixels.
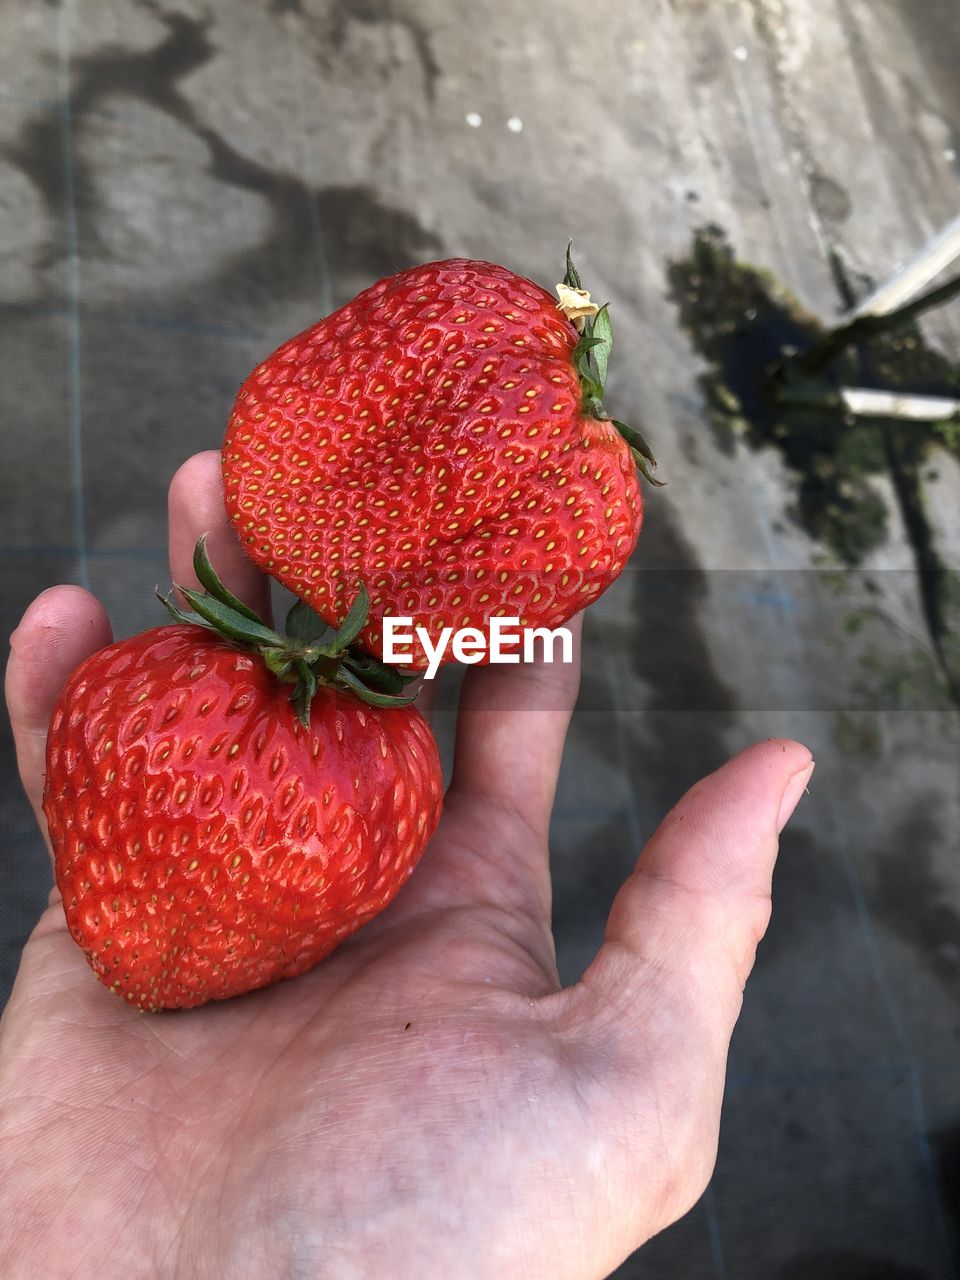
[
  {"x": 653, "y": 1015},
  {"x": 491, "y": 847},
  {"x": 511, "y": 729},
  {"x": 688, "y": 921},
  {"x": 62, "y": 628},
  {"x": 195, "y": 507},
  {"x": 426, "y": 692}
]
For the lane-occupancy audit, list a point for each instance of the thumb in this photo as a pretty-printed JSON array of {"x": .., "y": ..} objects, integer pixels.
[
  {"x": 698, "y": 902},
  {"x": 653, "y": 1015}
]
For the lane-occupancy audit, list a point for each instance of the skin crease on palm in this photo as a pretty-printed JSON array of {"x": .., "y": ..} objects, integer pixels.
[{"x": 427, "y": 1102}]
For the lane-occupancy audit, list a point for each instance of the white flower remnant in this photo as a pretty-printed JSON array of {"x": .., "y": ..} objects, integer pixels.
[
  {"x": 469, "y": 645},
  {"x": 575, "y": 304}
]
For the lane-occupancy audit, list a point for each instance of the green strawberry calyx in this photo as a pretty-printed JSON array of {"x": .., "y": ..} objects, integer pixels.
[
  {"x": 310, "y": 653},
  {"x": 591, "y": 356}
]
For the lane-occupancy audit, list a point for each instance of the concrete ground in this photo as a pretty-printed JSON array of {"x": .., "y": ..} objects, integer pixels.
[{"x": 184, "y": 184}]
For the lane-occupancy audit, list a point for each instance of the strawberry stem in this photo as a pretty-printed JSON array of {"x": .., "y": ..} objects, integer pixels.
[
  {"x": 310, "y": 654},
  {"x": 591, "y": 356}
]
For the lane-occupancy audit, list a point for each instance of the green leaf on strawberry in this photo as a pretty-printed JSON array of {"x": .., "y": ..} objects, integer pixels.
[
  {"x": 591, "y": 356},
  {"x": 305, "y": 627},
  {"x": 311, "y": 654}
]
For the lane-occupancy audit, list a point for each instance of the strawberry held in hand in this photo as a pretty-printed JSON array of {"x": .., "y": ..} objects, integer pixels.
[
  {"x": 441, "y": 439},
  {"x": 210, "y": 834}
]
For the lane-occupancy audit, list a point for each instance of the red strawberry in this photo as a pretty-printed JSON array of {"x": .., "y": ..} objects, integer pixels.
[
  {"x": 206, "y": 842},
  {"x": 441, "y": 439}
]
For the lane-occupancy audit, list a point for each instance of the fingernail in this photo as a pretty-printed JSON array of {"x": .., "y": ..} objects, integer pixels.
[{"x": 791, "y": 796}]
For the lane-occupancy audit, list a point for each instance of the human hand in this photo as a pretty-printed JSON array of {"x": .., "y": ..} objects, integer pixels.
[{"x": 427, "y": 1101}]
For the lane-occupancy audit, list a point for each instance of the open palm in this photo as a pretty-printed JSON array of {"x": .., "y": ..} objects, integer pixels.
[{"x": 426, "y": 1102}]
